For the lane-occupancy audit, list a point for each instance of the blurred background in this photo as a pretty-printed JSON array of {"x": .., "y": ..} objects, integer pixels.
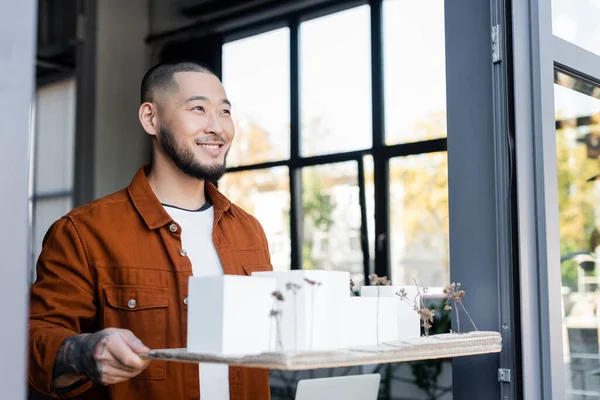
[{"x": 341, "y": 146}]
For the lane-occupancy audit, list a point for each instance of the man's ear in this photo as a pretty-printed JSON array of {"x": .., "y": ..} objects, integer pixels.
[{"x": 148, "y": 118}]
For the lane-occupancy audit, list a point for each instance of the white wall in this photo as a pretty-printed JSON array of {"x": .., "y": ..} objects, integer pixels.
[{"x": 122, "y": 58}]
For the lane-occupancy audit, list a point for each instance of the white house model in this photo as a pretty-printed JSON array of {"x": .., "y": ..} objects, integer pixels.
[{"x": 239, "y": 315}]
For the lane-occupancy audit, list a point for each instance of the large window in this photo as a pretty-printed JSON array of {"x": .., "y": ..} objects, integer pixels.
[
  {"x": 341, "y": 154},
  {"x": 53, "y": 157},
  {"x": 578, "y": 167},
  {"x": 333, "y": 187}
]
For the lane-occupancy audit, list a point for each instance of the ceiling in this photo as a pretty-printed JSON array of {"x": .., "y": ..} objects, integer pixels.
[
  {"x": 57, "y": 25},
  {"x": 57, "y": 29}
]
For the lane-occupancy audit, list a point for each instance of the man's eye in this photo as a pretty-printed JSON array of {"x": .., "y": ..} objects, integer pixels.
[
  {"x": 226, "y": 112},
  {"x": 199, "y": 108}
]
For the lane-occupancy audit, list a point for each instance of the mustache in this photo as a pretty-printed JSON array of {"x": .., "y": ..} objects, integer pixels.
[{"x": 220, "y": 139}]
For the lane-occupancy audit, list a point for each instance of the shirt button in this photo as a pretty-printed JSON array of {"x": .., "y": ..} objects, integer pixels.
[
  {"x": 131, "y": 303},
  {"x": 173, "y": 228},
  {"x": 182, "y": 252},
  {"x": 185, "y": 301}
]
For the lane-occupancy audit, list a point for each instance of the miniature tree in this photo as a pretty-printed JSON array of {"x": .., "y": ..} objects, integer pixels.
[
  {"x": 377, "y": 281},
  {"x": 294, "y": 288},
  {"x": 312, "y": 284},
  {"x": 455, "y": 295},
  {"x": 276, "y": 314},
  {"x": 425, "y": 314}
]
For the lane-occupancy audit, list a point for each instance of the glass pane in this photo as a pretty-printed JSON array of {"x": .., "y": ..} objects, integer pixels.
[
  {"x": 330, "y": 201},
  {"x": 265, "y": 194},
  {"x": 54, "y": 137},
  {"x": 578, "y": 166},
  {"x": 577, "y": 22},
  {"x": 45, "y": 213},
  {"x": 335, "y": 83},
  {"x": 415, "y": 70},
  {"x": 419, "y": 219},
  {"x": 256, "y": 76}
]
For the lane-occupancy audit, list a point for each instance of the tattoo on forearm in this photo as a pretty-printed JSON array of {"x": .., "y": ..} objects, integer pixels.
[{"x": 77, "y": 356}]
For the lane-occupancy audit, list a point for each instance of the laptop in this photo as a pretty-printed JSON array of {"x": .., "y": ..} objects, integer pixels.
[{"x": 353, "y": 387}]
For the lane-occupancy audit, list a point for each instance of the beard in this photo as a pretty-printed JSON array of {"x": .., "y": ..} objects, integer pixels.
[{"x": 187, "y": 162}]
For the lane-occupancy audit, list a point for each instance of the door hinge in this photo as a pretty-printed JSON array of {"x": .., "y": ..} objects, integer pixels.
[
  {"x": 504, "y": 375},
  {"x": 496, "y": 43}
]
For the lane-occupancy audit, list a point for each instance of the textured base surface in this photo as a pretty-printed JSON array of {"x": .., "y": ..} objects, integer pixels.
[{"x": 445, "y": 345}]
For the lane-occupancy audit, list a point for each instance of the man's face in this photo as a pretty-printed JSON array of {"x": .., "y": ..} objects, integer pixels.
[{"x": 196, "y": 128}]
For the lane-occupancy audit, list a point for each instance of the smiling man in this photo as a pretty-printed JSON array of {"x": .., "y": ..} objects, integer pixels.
[{"x": 112, "y": 278}]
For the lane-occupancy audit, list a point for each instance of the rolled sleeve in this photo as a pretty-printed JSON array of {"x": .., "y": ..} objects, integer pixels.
[{"x": 62, "y": 303}]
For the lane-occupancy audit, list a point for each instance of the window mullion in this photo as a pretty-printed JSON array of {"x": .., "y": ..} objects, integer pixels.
[
  {"x": 381, "y": 173},
  {"x": 296, "y": 227}
]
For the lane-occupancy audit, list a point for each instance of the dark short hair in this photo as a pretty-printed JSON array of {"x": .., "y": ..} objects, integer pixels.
[{"x": 161, "y": 76}]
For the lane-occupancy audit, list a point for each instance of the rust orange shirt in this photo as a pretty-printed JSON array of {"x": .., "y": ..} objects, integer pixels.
[{"x": 125, "y": 246}]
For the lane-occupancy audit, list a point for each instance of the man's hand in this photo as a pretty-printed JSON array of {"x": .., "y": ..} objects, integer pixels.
[{"x": 106, "y": 357}]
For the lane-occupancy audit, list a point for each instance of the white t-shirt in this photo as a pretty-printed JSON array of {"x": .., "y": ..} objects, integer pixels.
[{"x": 196, "y": 237}]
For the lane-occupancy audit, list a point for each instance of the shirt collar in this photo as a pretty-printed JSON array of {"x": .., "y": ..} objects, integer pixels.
[{"x": 152, "y": 211}]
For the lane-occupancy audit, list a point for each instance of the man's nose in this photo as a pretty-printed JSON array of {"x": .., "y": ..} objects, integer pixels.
[{"x": 214, "y": 126}]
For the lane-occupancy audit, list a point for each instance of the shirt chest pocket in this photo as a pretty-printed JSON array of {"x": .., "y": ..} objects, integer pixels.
[
  {"x": 252, "y": 258},
  {"x": 143, "y": 311}
]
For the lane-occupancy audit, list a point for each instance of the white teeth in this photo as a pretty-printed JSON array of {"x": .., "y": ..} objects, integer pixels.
[{"x": 210, "y": 146}]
